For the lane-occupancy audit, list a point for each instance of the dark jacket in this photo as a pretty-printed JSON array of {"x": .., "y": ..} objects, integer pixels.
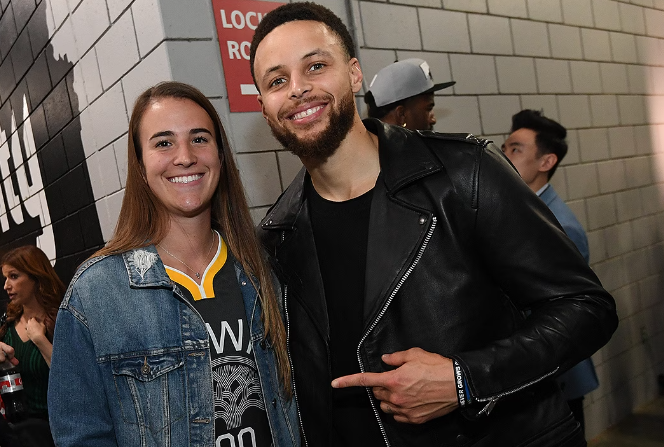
[{"x": 458, "y": 248}]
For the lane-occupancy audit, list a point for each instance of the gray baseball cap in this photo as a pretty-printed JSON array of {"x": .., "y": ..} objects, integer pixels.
[{"x": 403, "y": 79}]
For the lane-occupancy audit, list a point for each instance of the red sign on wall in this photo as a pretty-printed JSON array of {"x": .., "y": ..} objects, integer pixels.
[{"x": 236, "y": 21}]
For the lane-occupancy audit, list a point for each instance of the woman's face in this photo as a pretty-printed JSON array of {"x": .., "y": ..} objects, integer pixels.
[
  {"x": 18, "y": 285},
  {"x": 180, "y": 155}
]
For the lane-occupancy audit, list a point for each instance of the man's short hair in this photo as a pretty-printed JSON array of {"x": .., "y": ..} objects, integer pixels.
[
  {"x": 291, "y": 12},
  {"x": 549, "y": 134}
]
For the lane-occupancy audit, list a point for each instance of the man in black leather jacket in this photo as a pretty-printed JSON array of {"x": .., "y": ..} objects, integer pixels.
[{"x": 407, "y": 261}]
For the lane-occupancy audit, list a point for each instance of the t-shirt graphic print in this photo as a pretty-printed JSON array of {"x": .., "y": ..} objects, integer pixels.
[{"x": 239, "y": 407}]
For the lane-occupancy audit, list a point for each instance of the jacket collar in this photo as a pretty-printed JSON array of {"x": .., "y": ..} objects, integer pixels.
[
  {"x": 145, "y": 268},
  {"x": 404, "y": 158}
]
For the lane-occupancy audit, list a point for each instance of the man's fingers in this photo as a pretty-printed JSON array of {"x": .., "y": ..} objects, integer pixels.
[
  {"x": 360, "y": 379},
  {"x": 400, "y": 357}
]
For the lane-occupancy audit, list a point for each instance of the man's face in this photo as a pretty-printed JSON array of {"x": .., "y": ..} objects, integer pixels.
[
  {"x": 418, "y": 112},
  {"x": 307, "y": 87},
  {"x": 521, "y": 149}
]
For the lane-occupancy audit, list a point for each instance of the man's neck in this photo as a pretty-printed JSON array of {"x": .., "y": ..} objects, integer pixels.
[
  {"x": 352, "y": 170},
  {"x": 537, "y": 184}
]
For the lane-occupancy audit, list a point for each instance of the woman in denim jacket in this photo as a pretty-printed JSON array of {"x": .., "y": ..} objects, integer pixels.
[{"x": 171, "y": 335}]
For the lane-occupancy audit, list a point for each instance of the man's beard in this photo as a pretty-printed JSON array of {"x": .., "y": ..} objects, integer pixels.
[{"x": 321, "y": 146}]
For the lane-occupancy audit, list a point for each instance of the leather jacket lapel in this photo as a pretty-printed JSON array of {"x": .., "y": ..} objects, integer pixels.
[{"x": 395, "y": 235}]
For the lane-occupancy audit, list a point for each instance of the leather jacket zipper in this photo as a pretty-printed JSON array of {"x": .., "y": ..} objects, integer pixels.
[
  {"x": 290, "y": 360},
  {"x": 494, "y": 399},
  {"x": 382, "y": 312}
]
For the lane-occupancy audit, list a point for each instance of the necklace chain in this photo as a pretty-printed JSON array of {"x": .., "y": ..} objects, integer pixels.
[{"x": 198, "y": 275}]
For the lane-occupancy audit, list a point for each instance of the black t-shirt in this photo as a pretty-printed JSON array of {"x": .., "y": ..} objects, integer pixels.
[
  {"x": 239, "y": 407},
  {"x": 341, "y": 232}
]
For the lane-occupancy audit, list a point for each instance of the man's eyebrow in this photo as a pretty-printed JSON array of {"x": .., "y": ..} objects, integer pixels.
[{"x": 316, "y": 52}]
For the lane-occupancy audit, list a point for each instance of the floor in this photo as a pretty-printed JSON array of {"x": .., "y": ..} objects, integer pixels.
[{"x": 644, "y": 428}]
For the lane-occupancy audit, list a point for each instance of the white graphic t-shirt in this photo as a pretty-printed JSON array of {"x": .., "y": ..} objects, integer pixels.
[{"x": 239, "y": 408}]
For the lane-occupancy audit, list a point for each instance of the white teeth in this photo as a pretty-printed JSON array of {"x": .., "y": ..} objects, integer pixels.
[
  {"x": 185, "y": 178},
  {"x": 307, "y": 112}
]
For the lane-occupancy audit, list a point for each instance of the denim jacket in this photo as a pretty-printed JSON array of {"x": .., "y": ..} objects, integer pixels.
[{"x": 131, "y": 360}]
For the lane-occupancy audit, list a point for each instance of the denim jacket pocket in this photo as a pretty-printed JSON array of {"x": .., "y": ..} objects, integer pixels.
[{"x": 151, "y": 389}]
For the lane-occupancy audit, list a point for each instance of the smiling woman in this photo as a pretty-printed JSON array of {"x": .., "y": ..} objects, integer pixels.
[{"x": 151, "y": 311}]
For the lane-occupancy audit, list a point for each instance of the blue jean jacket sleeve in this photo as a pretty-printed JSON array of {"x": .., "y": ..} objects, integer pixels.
[{"x": 77, "y": 404}]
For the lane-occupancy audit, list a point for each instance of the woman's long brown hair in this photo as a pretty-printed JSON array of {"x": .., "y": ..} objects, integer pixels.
[
  {"x": 33, "y": 262},
  {"x": 143, "y": 220}
]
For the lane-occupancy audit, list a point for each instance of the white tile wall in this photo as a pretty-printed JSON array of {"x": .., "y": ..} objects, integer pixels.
[
  {"x": 153, "y": 69},
  {"x": 444, "y": 31},
  {"x": 516, "y": 74},
  {"x": 553, "y": 76},
  {"x": 604, "y": 110},
  {"x": 585, "y": 77},
  {"x": 655, "y": 23},
  {"x": 582, "y": 181},
  {"x": 611, "y": 176},
  {"x": 530, "y": 38},
  {"x": 593, "y": 144},
  {"x": 117, "y": 7},
  {"x": 90, "y": 73},
  {"x": 251, "y": 133},
  {"x": 117, "y": 50},
  {"x": 509, "y": 8},
  {"x": 289, "y": 166},
  {"x": 622, "y": 141},
  {"x": 577, "y": 12},
  {"x": 474, "y": 74},
  {"x": 639, "y": 79},
  {"x": 257, "y": 170},
  {"x": 192, "y": 19},
  {"x": 108, "y": 116},
  {"x": 607, "y": 14},
  {"x": 104, "y": 176},
  {"x": 89, "y": 22},
  {"x": 596, "y": 44},
  {"x": 401, "y": 30},
  {"x": 489, "y": 34},
  {"x": 632, "y": 109},
  {"x": 465, "y": 5},
  {"x": 565, "y": 41},
  {"x": 496, "y": 113},
  {"x": 614, "y": 78},
  {"x": 458, "y": 114},
  {"x": 574, "y": 111},
  {"x": 372, "y": 61},
  {"x": 545, "y": 10},
  {"x": 623, "y": 47},
  {"x": 632, "y": 18},
  {"x": 148, "y": 23},
  {"x": 186, "y": 54}
]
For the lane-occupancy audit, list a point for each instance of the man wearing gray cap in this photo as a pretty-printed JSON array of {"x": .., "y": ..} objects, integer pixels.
[{"x": 402, "y": 94}]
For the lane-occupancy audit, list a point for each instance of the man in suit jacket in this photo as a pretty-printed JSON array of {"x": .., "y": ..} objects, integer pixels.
[{"x": 536, "y": 146}]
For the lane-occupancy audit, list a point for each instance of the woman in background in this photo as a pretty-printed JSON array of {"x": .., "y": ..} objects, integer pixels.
[
  {"x": 35, "y": 292},
  {"x": 171, "y": 335}
]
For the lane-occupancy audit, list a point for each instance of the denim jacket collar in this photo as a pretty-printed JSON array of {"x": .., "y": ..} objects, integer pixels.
[{"x": 145, "y": 268}]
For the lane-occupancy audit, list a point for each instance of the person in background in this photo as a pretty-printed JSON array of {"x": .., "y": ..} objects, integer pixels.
[
  {"x": 171, "y": 334},
  {"x": 35, "y": 292},
  {"x": 407, "y": 261},
  {"x": 402, "y": 94},
  {"x": 536, "y": 146}
]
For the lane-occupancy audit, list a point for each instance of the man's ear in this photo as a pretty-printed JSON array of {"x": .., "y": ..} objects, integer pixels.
[
  {"x": 400, "y": 115},
  {"x": 356, "y": 75},
  {"x": 260, "y": 101},
  {"x": 547, "y": 162}
]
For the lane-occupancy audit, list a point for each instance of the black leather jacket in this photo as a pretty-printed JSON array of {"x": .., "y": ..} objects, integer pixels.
[{"x": 459, "y": 248}]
